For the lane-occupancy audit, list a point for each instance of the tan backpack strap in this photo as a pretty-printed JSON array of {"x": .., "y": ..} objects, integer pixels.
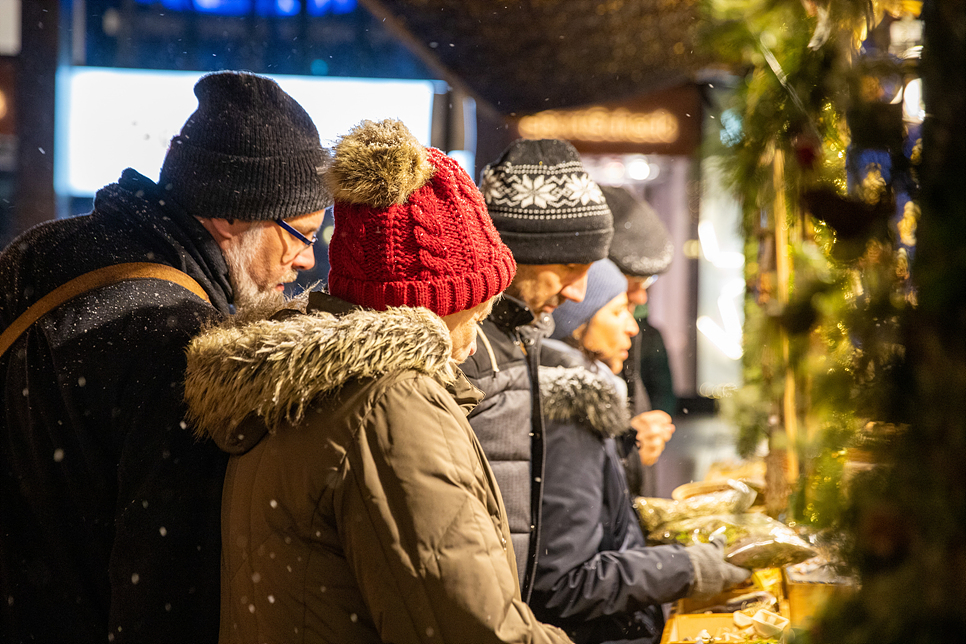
[{"x": 94, "y": 280}]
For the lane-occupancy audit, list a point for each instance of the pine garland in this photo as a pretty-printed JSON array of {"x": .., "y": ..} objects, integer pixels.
[{"x": 834, "y": 345}]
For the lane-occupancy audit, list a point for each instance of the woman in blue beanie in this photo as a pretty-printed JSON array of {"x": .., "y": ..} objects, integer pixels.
[{"x": 596, "y": 578}]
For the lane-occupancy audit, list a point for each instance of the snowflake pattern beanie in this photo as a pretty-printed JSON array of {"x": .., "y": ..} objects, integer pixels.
[
  {"x": 248, "y": 152},
  {"x": 411, "y": 228},
  {"x": 545, "y": 205}
]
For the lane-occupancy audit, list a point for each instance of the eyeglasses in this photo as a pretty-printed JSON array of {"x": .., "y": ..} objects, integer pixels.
[
  {"x": 296, "y": 234},
  {"x": 643, "y": 282}
]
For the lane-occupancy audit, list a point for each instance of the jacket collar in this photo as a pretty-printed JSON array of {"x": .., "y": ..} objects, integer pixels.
[
  {"x": 509, "y": 314},
  {"x": 463, "y": 392},
  {"x": 322, "y": 302},
  {"x": 574, "y": 389},
  {"x": 137, "y": 203},
  {"x": 274, "y": 369}
]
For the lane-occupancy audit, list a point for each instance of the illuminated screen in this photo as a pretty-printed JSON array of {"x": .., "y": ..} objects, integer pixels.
[
  {"x": 261, "y": 7},
  {"x": 111, "y": 119}
]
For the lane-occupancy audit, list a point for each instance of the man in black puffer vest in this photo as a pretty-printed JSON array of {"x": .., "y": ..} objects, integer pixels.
[
  {"x": 556, "y": 222},
  {"x": 110, "y": 511}
]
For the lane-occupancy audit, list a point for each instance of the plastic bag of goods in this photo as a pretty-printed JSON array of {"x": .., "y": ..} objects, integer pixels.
[
  {"x": 752, "y": 540},
  {"x": 734, "y": 498}
]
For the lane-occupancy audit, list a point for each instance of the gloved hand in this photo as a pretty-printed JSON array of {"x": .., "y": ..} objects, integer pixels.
[{"x": 712, "y": 574}]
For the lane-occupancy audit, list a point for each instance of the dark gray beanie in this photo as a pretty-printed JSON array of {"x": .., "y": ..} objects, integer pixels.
[
  {"x": 545, "y": 205},
  {"x": 248, "y": 152},
  {"x": 604, "y": 282},
  {"x": 642, "y": 245}
]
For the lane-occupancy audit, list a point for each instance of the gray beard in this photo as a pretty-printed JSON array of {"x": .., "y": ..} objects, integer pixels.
[{"x": 247, "y": 295}]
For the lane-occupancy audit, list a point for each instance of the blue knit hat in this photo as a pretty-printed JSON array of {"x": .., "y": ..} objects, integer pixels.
[{"x": 604, "y": 282}]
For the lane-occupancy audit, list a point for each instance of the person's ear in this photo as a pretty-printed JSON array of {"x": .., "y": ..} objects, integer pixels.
[{"x": 224, "y": 230}]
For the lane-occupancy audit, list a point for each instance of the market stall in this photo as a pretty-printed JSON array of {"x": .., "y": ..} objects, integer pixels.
[
  {"x": 794, "y": 570},
  {"x": 827, "y": 145}
]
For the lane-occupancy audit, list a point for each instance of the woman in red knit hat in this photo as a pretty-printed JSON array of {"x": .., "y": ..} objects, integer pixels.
[{"x": 358, "y": 506}]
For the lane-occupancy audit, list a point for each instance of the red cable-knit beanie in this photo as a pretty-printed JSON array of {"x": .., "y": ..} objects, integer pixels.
[{"x": 411, "y": 228}]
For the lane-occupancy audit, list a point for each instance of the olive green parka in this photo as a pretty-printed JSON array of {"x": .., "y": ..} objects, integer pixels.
[{"x": 358, "y": 505}]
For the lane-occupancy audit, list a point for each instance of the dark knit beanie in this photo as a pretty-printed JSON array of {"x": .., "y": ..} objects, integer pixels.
[
  {"x": 248, "y": 152},
  {"x": 642, "y": 245},
  {"x": 545, "y": 205},
  {"x": 604, "y": 282},
  {"x": 411, "y": 228}
]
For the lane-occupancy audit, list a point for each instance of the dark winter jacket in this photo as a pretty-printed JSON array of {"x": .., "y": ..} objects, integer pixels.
[
  {"x": 358, "y": 506},
  {"x": 109, "y": 509},
  {"x": 648, "y": 377},
  {"x": 641, "y": 479},
  {"x": 595, "y": 576},
  {"x": 654, "y": 368},
  {"x": 508, "y": 421}
]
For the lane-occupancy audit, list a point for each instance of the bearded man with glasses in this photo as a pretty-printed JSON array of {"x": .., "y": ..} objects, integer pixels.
[
  {"x": 264, "y": 256},
  {"x": 110, "y": 510}
]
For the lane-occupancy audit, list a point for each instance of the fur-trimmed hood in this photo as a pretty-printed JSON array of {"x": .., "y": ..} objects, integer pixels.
[
  {"x": 274, "y": 369},
  {"x": 575, "y": 394}
]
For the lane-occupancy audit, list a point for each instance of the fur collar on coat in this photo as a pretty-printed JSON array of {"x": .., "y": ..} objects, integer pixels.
[
  {"x": 274, "y": 369},
  {"x": 576, "y": 394}
]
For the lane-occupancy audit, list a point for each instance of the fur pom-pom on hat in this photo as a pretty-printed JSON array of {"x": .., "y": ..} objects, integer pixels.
[
  {"x": 411, "y": 228},
  {"x": 379, "y": 164}
]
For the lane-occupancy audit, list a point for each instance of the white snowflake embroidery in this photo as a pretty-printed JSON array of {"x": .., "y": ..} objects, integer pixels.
[
  {"x": 492, "y": 189},
  {"x": 533, "y": 191},
  {"x": 583, "y": 189}
]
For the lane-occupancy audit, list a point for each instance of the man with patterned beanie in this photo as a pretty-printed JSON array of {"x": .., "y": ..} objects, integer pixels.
[
  {"x": 109, "y": 507},
  {"x": 556, "y": 222},
  {"x": 358, "y": 505}
]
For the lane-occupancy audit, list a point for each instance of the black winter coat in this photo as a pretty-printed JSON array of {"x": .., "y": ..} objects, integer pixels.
[
  {"x": 109, "y": 509},
  {"x": 595, "y": 578},
  {"x": 648, "y": 378}
]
